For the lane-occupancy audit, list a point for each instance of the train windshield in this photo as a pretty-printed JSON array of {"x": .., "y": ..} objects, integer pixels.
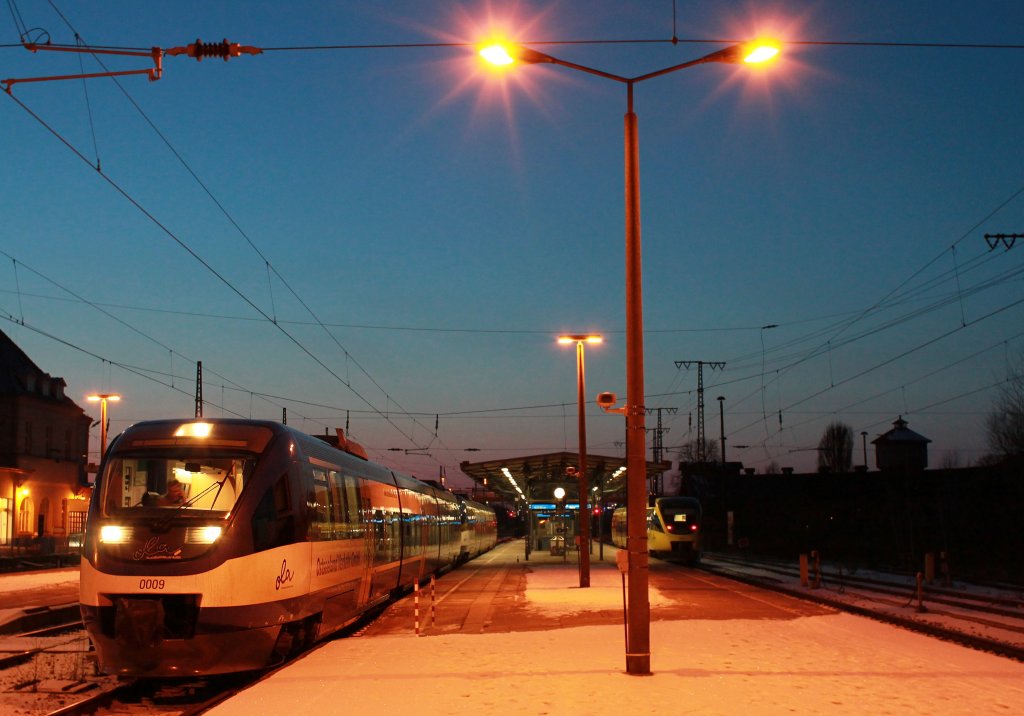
[
  {"x": 183, "y": 481},
  {"x": 680, "y": 512}
]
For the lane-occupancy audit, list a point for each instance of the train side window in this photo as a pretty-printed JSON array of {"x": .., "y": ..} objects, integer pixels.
[
  {"x": 272, "y": 523},
  {"x": 354, "y": 518},
  {"x": 338, "y": 511}
]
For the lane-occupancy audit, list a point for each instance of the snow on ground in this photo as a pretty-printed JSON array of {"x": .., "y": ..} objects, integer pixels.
[
  {"x": 831, "y": 664},
  {"x": 23, "y": 581},
  {"x": 19, "y": 590},
  {"x": 818, "y": 665},
  {"x": 547, "y": 591}
]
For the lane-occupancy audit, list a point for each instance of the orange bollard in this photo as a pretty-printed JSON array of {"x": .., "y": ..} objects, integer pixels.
[{"x": 433, "y": 593}]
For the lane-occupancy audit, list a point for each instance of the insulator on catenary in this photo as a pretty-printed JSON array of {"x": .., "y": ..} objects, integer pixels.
[
  {"x": 222, "y": 49},
  {"x": 200, "y": 49}
]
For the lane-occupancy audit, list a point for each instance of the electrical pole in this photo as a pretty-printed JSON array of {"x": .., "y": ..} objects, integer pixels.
[
  {"x": 199, "y": 389},
  {"x": 721, "y": 424},
  {"x": 657, "y": 487},
  {"x": 715, "y": 365}
]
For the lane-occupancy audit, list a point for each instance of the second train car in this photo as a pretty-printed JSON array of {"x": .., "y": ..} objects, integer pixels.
[
  {"x": 673, "y": 529},
  {"x": 223, "y": 545}
]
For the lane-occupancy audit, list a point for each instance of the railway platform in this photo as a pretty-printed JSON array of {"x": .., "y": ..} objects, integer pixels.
[
  {"x": 506, "y": 635},
  {"x": 488, "y": 595},
  {"x": 503, "y": 591}
]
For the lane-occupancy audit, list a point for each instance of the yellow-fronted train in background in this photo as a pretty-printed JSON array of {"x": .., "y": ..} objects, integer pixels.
[{"x": 673, "y": 529}]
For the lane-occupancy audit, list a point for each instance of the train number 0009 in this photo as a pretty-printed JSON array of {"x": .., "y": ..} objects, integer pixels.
[{"x": 151, "y": 584}]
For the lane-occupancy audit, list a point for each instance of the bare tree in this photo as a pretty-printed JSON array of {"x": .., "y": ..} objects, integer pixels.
[
  {"x": 835, "y": 449},
  {"x": 1004, "y": 426},
  {"x": 772, "y": 468},
  {"x": 688, "y": 451}
]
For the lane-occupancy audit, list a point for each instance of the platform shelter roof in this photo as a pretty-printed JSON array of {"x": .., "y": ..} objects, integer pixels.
[{"x": 534, "y": 477}]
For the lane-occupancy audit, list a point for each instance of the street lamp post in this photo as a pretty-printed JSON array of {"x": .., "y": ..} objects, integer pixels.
[
  {"x": 584, "y": 488},
  {"x": 638, "y": 649},
  {"x": 102, "y": 399}
]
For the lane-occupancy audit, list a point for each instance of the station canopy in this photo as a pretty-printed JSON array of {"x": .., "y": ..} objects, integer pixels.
[{"x": 534, "y": 477}]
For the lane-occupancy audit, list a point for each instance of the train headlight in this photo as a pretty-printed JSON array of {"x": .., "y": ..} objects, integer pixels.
[
  {"x": 114, "y": 534},
  {"x": 204, "y": 535}
]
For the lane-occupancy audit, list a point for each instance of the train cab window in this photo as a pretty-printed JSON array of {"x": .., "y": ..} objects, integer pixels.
[
  {"x": 654, "y": 522},
  {"x": 180, "y": 482}
]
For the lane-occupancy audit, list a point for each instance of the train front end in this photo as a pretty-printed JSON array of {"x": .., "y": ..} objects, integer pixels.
[
  {"x": 675, "y": 529},
  {"x": 170, "y": 583}
]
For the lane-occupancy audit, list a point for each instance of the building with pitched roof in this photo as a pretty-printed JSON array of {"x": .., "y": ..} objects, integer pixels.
[
  {"x": 44, "y": 438},
  {"x": 901, "y": 449}
]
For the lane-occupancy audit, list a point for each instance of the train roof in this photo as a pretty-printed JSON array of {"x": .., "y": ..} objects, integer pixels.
[{"x": 310, "y": 446}]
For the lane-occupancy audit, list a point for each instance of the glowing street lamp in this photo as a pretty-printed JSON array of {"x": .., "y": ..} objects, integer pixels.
[
  {"x": 584, "y": 511},
  {"x": 102, "y": 399},
  {"x": 638, "y": 649}
]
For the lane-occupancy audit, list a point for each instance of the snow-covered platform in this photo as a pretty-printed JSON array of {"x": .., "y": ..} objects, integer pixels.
[{"x": 503, "y": 635}]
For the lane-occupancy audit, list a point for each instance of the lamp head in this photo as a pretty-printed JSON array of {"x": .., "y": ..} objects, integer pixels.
[
  {"x": 760, "y": 51},
  {"x": 497, "y": 53},
  {"x": 755, "y": 52},
  {"x": 580, "y": 338},
  {"x": 504, "y": 54},
  {"x": 100, "y": 397}
]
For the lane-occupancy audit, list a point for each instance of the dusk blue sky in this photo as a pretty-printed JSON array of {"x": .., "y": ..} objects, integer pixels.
[{"x": 445, "y": 223}]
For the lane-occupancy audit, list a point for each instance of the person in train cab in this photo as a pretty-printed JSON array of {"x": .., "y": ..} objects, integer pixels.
[{"x": 174, "y": 496}]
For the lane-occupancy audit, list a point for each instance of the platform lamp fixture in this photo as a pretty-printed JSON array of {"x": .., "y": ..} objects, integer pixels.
[{"x": 638, "y": 650}]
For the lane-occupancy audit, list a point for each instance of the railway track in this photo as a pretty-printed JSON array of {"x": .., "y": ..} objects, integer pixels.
[
  {"x": 986, "y": 618},
  {"x": 182, "y": 696}
]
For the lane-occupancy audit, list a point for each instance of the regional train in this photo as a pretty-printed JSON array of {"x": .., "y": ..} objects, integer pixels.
[
  {"x": 673, "y": 529},
  {"x": 222, "y": 545}
]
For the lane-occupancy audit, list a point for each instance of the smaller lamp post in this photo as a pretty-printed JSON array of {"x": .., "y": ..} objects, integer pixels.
[
  {"x": 584, "y": 511},
  {"x": 102, "y": 399}
]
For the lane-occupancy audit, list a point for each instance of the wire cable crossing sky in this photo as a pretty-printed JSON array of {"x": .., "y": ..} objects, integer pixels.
[{"x": 365, "y": 227}]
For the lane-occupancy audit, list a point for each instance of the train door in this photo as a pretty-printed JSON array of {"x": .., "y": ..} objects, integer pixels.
[
  {"x": 369, "y": 541},
  {"x": 384, "y": 524},
  {"x": 415, "y": 535},
  {"x": 340, "y": 563}
]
